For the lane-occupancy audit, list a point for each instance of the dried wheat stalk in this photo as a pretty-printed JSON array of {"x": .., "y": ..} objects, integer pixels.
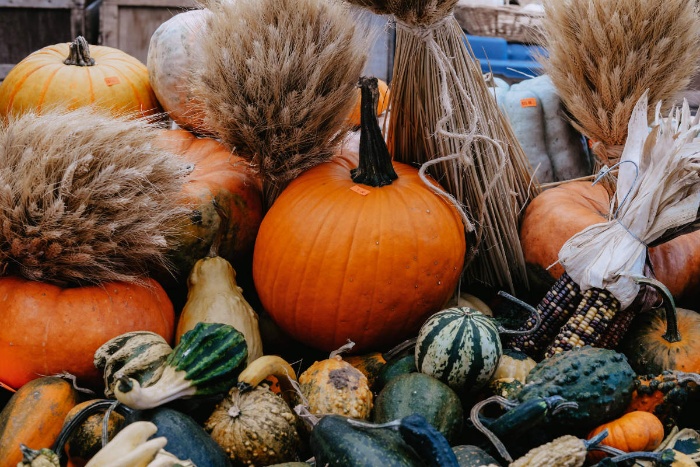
[
  {"x": 85, "y": 198},
  {"x": 444, "y": 118},
  {"x": 278, "y": 79},
  {"x": 604, "y": 54}
]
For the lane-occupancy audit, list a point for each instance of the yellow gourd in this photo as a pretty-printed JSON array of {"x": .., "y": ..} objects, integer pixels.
[{"x": 214, "y": 297}]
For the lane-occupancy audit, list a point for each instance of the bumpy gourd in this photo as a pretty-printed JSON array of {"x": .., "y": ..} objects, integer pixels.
[
  {"x": 255, "y": 427},
  {"x": 566, "y": 451},
  {"x": 600, "y": 381},
  {"x": 335, "y": 386}
]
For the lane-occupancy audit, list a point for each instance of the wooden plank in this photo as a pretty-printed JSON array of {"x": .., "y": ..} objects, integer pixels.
[
  {"x": 24, "y": 30},
  {"x": 154, "y": 3},
  {"x": 55, "y": 4}
]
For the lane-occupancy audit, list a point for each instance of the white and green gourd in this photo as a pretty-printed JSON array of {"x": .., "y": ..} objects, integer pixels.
[{"x": 555, "y": 149}]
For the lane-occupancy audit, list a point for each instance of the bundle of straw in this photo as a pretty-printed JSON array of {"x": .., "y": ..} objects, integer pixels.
[
  {"x": 444, "y": 118},
  {"x": 603, "y": 55},
  {"x": 278, "y": 79},
  {"x": 86, "y": 198}
]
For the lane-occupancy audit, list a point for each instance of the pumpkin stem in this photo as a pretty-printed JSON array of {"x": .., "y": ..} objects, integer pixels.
[
  {"x": 665, "y": 457},
  {"x": 405, "y": 345},
  {"x": 672, "y": 333},
  {"x": 79, "y": 53},
  {"x": 342, "y": 349},
  {"x": 375, "y": 168}
]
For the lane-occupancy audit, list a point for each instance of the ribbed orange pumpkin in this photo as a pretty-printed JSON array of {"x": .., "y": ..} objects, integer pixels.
[
  {"x": 46, "y": 329},
  {"x": 220, "y": 174},
  {"x": 337, "y": 259},
  {"x": 42, "y": 80},
  {"x": 556, "y": 214}
]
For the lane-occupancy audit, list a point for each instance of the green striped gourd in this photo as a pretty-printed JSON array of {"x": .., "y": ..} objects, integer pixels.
[
  {"x": 459, "y": 346},
  {"x": 207, "y": 361}
]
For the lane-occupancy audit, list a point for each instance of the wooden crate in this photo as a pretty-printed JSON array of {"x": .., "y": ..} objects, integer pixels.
[
  {"x": 129, "y": 24},
  {"x": 29, "y": 25}
]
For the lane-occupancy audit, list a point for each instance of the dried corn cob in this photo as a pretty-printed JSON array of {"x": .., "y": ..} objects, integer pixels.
[
  {"x": 554, "y": 310},
  {"x": 617, "y": 328},
  {"x": 590, "y": 321}
]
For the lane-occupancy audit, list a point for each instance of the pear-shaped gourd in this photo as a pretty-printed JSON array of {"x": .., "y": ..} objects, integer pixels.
[{"x": 214, "y": 297}]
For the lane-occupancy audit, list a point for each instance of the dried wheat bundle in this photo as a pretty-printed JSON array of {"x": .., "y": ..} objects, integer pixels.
[
  {"x": 444, "y": 118},
  {"x": 85, "y": 198},
  {"x": 278, "y": 78},
  {"x": 604, "y": 54}
]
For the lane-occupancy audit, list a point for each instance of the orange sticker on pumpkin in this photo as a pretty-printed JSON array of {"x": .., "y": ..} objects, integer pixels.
[
  {"x": 358, "y": 189},
  {"x": 529, "y": 102},
  {"x": 112, "y": 80}
]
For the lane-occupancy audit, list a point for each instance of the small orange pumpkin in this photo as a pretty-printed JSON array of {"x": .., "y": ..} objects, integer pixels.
[
  {"x": 634, "y": 431},
  {"x": 86, "y": 439},
  {"x": 72, "y": 75},
  {"x": 46, "y": 329},
  {"x": 34, "y": 416}
]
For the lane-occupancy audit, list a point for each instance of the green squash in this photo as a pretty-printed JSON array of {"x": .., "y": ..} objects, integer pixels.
[{"x": 419, "y": 393}]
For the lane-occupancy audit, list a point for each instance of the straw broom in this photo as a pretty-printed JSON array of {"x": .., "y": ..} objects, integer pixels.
[
  {"x": 444, "y": 118},
  {"x": 604, "y": 54},
  {"x": 278, "y": 78}
]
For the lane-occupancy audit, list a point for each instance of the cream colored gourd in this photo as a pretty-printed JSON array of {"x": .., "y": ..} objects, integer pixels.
[
  {"x": 214, "y": 297},
  {"x": 130, "y": 447}
]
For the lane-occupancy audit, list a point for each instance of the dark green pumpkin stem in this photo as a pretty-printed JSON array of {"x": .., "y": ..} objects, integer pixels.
[
  {"x": 375, "y": 167},
  {"x": 79, "y": 53},
  {"x": 672, "y": 333}
]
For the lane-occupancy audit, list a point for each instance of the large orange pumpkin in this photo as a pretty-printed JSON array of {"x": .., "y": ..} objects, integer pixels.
[
  {"x": 46, "y": 329},
  {"x": 338, "y": 259},
  {"x": 557, "y": 214},
  {"x": 43, "y": 79},
  {"x": 216, "y": 173}
]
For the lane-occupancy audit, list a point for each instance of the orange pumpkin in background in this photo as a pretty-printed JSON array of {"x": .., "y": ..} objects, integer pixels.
[
  {"x": 46, "y": 329},
  {"x": 557, "y": 214},
  {"x": 219, "y": 174},
  {"x": 72, "y": 75}
]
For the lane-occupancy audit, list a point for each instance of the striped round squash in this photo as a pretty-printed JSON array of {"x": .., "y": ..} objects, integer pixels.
[{"x": 459, "y": 346}]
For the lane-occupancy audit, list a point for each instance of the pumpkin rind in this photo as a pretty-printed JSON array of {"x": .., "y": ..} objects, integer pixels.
[
  {"x": 333, "y": 386},
  {"x": 67, "y": 325},
  {"x": 460, "y": 347},
  {"x": 255, "y": 427},
  {"x": 34, "y": 416},
  {"x": 365, "y": 267},
  {"x": 41, "y": 80},
  {"x": 557, "y": 214},
  {"x": 217, "y": 174}
]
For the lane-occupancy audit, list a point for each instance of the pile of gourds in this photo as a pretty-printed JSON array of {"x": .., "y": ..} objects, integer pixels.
[{"x": 140, "y": 374}]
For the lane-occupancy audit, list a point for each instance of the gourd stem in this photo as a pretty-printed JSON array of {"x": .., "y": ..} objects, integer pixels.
[
  {"x": 528, "y": 307},
  {"x": 593, "y": 443},
  {"x": 474, "y": 417},
  {"x": 105, "y": 423},
  {"x": 664, "y": 457},
  {"x": 407, "y": 344},
  {"x": 672, "y": 333},
  {"x": 342, "y": 349},
  {"x": 221, "y": 231},
  {"x": 375, "y": 168},
  {"x": 79, "y": 53}
]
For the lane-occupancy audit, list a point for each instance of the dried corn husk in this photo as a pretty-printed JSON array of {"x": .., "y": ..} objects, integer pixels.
[
  {"x": 444, "y": 119},
  {"x": 658, "y": 193}
]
